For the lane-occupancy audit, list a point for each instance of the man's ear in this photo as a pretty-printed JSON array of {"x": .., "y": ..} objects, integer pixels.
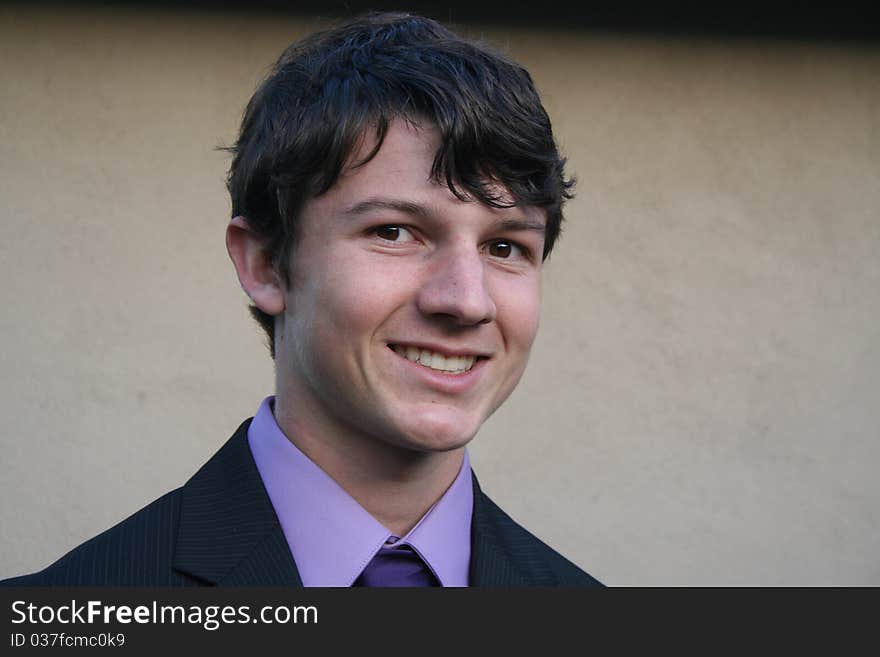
[{"x": 257, "y": 276}]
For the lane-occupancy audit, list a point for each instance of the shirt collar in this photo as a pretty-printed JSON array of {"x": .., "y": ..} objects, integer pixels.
[{"x": 331, "y": 536}]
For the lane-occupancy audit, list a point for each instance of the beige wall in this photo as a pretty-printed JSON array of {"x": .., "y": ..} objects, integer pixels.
[{"x": 702, "y": 403}]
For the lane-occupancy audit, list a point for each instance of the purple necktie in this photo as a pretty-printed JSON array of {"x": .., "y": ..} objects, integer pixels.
[{"x": 396, "y": 566}]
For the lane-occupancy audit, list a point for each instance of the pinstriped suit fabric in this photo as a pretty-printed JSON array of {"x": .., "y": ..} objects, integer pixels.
[{"x": 220, "y": 529}]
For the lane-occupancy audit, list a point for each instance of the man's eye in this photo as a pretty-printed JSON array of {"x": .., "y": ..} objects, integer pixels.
[
  {"x": 504, "y": 249},
  {"x": 394, "y": 233}
]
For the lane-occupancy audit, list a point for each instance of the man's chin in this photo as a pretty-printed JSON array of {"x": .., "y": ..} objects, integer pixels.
[{"x": 437, "y": 434}]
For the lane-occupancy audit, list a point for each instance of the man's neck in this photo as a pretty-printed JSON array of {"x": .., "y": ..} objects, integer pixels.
[{"x": 397, "y": 486}]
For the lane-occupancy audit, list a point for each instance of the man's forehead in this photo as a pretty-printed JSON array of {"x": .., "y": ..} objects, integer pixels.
[{"x": 386, "y": 176}]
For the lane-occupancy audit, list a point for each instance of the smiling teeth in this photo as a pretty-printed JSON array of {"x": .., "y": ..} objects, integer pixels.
[{"x": 453, "y": 364}]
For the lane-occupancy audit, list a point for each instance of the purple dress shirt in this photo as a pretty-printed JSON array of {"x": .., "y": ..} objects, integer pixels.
[{"x": 331, "y": 536}]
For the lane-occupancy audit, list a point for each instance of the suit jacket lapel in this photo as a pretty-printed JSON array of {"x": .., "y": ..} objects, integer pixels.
[
  {"x": 494, "y": 560},
  {"x": 229, "y": 534}
]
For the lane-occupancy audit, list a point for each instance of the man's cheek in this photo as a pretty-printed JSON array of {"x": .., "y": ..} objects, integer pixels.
[{"x": 522, "y": 318}]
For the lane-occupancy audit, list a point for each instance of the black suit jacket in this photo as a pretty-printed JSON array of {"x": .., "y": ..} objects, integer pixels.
[{"x": 220, "y": 529}]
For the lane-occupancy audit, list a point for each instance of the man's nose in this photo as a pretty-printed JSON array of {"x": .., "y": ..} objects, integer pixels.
[{"x": 456, "y": 286}]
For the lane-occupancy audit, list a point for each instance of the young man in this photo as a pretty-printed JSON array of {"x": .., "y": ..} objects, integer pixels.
[{"x": 395, "y": 190}]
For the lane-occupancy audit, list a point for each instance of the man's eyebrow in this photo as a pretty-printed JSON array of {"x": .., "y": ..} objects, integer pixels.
[
  {"x": 522, "y": 224},
  {"x": 396, "y": 205}
]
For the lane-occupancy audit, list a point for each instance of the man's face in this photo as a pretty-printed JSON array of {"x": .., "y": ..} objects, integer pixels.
[{"x": 410, "y": 313}]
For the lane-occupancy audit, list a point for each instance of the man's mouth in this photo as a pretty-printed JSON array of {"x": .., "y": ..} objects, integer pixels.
[{"x": 436, "y": 361}]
